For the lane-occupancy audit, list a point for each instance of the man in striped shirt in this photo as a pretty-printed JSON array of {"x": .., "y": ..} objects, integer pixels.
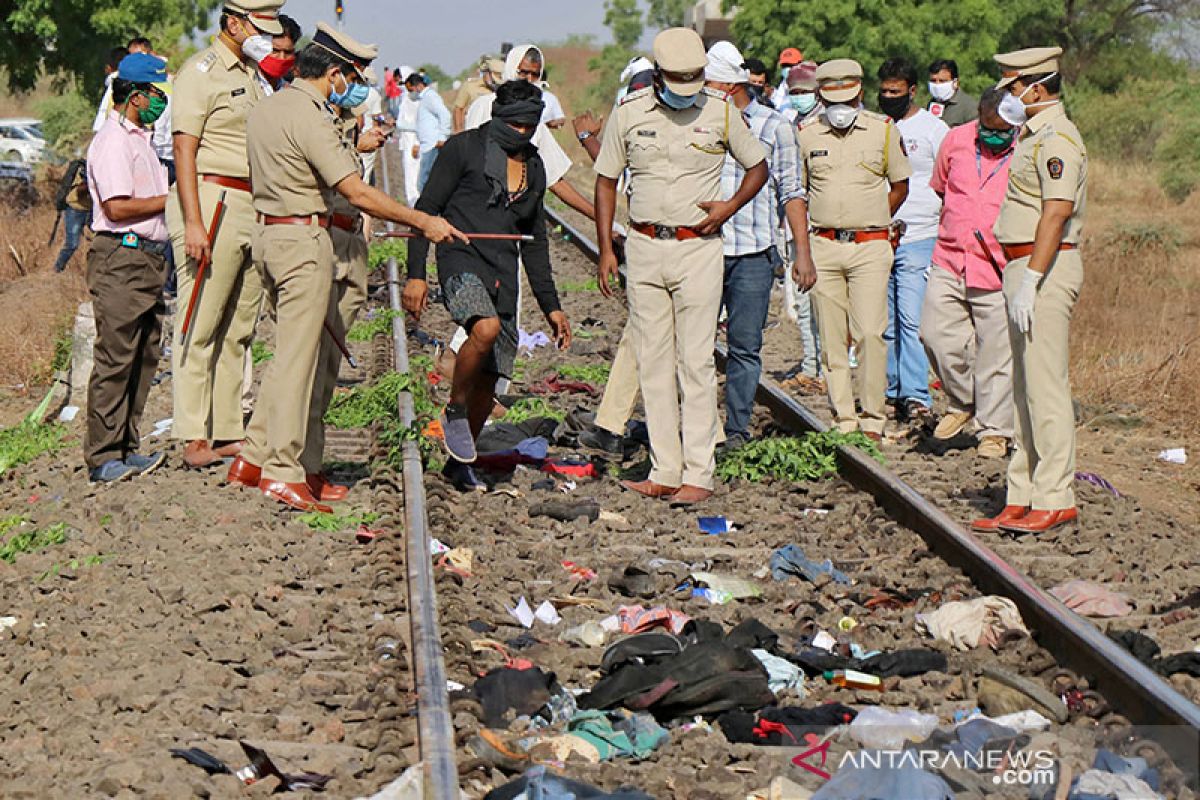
[{"x": 749, "y": 237}]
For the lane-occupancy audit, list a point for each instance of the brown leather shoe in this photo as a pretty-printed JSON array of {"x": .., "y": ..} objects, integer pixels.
[
  {"x": 243, "y": 472},
  {"x": 1040, "y": 521},
  {"x": 198, "y": 454},
  {"x": 1009, "y": 514},
  {"x": 650, "y": 488},
  {"x": 689, "y": 495},
  {"x": 295, "y": 495},
  {"x": 228, "y": 449},
  {"x": 324, "y": 490}
]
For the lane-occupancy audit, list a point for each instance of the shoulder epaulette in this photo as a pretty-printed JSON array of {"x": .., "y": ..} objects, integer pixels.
[
  {"x": 719, "y": 95},
  {"x": 875, "y": 115},
  {"x": 638, "y": 95},
  {"x": 206, "y": 62}
]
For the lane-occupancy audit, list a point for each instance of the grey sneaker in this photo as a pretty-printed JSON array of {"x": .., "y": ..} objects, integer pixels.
[
  {"x": 145, "y": 464},
  {"x": 457, "y": 436},
  {"x": 111, "y": 472},
  {"x": 732, "y": 442}
]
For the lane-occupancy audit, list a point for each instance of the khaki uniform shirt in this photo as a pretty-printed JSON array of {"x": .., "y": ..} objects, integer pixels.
[
  {"x": 1048, "y": 163},
  {"x": 469, "y": 92},
  {"x": 338, "y": 204},
  {"x": 848, "y": 176},
  {"x": 297, "y": 152},
  {"x": 212, "y": 96},
  {"x": 674, "y": 157}
]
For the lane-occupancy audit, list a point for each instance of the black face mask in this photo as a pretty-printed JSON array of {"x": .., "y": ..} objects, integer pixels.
[
  {"x": 895, "y": 107},
  {"x": 511, "y": 140},
  {"x": 755, "y": 91}
]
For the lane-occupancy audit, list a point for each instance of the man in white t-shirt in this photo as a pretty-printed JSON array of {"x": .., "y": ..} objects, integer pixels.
[
  {"x": 922, "y": 134},
  {"x": 553, "y": 115},
  {"x": 368, "y": 111}
]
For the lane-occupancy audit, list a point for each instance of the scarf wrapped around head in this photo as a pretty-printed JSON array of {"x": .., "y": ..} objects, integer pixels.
[{"x": 504, "y": 141}]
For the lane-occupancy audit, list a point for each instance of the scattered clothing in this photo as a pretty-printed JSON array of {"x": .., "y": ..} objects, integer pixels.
[
  {"x": 781, "y": 673},
  {"x": 1096, "y": 480},
  {"x": 501, "y": 436},
  {"x": 618, "y": 733},
  {"x": 636, "y": 619},
  {"x": 1091, "y": 600},
  {"x": 790, "y": 561},
  {"x": 1097, "y": 784},
  {"x": 967, "y": 624},
  {"x": 775, "y": 726},
  {"x": 541, "y": 784},
  {"x": 880, "y": 728},
  {"x": 884, "y": 783},
  {"x": 899, "y": 663},
  {"x": 1147, "y": 651},
  {"x": 522, "y": 691},
  {"x": 528, "y": 451},
  {"x": 528, "y": 342}
]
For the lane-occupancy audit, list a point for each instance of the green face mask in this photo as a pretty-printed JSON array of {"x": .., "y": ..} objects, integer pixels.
[
  {"x": 996, "y": 141},
  {"x": 150, "y": 114}
]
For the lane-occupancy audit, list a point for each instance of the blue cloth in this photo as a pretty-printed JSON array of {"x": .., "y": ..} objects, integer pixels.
[
  {"x": 540, "y": 784},
  {"x": 790, "y": 560},
  {"x": 868, "y": 782},
  {"x": 427, "y": 162},
  {"x": 73, "y": 224},
  {"x": 746, "y": 298},
  {"x": 908, "y": 365},
  {"x": 1119, "y": 765},
  {"x": 753, "y": 228},
  {"x": 434, "y": 121}
]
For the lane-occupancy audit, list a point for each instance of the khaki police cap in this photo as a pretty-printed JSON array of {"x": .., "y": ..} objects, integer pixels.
[
  {"x": 839, "y": 80},
  {"x": 1031, "y": 61},
  {"x": 263, "y": 14},
  {"x": 345, "y": 47},
  {"x": 680, "y": 52},
  {"x": 494, "y": 66}
]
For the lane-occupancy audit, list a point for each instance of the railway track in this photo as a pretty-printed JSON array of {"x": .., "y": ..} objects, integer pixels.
[{"x": 524, "y": 554}]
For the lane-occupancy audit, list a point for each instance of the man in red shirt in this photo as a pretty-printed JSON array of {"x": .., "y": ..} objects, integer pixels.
[{"x": 964, "y": 322}]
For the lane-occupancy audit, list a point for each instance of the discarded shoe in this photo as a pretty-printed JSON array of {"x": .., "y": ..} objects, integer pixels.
[
  {"x": 993, "y": 447},
  {"x": 456, "y": 428},
  {"x": 565, "y": 511},
  {"x": 690, "y": 495},
  {"x": 324, "y": 490},
  {"x": 952, "y": 423},
  {"x": 293, "y": 495},
  {"x": 650, "y": 488},
  {"x": 1040, "y": 521},
  {"x": 607, "y": 442},
  {"x": 463, "y": 477},
  {"x": 111, "y": 472},
  {"x": 144, "y": 465},
  {"x": 243, "y": 472},
  {"x": 1009, "y": 514},
  {"x": 875, "y": 437}
]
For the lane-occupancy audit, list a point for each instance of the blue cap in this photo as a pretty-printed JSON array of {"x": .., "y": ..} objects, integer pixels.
[{"x": 142, "y": 68}]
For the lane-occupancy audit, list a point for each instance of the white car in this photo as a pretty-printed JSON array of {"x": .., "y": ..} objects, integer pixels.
[{"x": 21, "y": 140}]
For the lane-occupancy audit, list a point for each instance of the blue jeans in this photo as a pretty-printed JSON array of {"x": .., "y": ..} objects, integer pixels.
[
  {"x": 73, "y": 222},
  {"x": 908, "y": 365},
  {"x": 427, "y": 159},
  {"x": 746, "y": 298}
]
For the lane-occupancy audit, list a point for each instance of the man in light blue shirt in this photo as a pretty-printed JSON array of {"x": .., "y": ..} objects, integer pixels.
[{"x": 434, "y": 123}]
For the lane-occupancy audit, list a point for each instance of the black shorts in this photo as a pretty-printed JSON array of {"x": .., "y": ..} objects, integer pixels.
[{"x": 467, "y": 300}]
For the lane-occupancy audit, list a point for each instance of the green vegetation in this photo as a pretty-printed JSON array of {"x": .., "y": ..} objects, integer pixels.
[
  {"x": 260, "y": 353},
  {"x": 62, "y": 351},
  {"x": 531, "y": 407},
  {"x": 595, "y": 374},
  {"x": 73, "y": 565},
  {"x": 28, "y": 541},
  {"x": 332, "y": 523},
  {"x": 570, "y": 287},
  {"x": 364, "y": 405},
  {"x": 377, "y": 322},
  {"x": 383, "y": 249},
  {"x": 378, "y": 404},
  {"x": 23, "y": 443},
  {"x": 810, "y": 457},
  {"x": 1130, "y": 238}
]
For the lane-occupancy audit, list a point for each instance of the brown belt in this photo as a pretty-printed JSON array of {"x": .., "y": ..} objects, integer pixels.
[
  {"x": 680, "y": 232},
  {"x": 241, "y": 184},
  {"x": 854, "y": 237},
  {"x": 267, "y": 219},
  {"x": 1014, "y": 251},
  {"x": 346, "y": 222}
]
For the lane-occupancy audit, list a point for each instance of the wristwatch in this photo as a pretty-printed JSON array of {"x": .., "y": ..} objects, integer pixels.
[{"x": 583, "y": 137}]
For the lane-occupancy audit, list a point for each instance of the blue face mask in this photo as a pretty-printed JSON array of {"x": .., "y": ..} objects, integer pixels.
[
  {"x": 803, "y": 103},
  {"x": 679, "y": 102},
  {"x": 355, "y": 95}
]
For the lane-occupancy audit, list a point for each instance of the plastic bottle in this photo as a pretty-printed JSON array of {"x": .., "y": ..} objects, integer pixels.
[{"x": 849, "y": 679}]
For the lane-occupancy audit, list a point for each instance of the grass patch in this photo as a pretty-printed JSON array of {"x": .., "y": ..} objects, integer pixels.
[
  {"x": 62, "y": 351},
  {"x": 364, "y": 405},
  {"x": 573, "y": 287},
  {"x": 260, "y": 353},
  {"x": 383, "y": 249},
  {"x": 73, "y": 565},
  {"x": 377, "y": 322},
  {"x": 23, "y": 443},
  {"x": 810, "y": 457},
  {"x": 333, "y": 523},
  {"x": 1131, "y": 238},
  {"x": 596, "y": 374},
  {"x": 28, "y": 541},
  {"x": 530, "y": 407}
]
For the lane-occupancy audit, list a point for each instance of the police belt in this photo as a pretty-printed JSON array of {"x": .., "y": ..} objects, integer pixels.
[
  {"x": 1014, "y": 251},
  {"x": 132, "y": 240},
  {"x": 852, "y": 236},
  {"x": 240, "y": 184},
  {"x": 679, "y": 232},
  {"x": 308, "y": 219},
  {"x": 347, "y": 222}
]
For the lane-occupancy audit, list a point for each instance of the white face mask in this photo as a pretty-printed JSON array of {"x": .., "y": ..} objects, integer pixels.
[
  {"x": 258, "y": 47},
  {"x": 1013, "y": 111},
  {"x": 841, "y": 116},
  {"x": 942, "y": 91}
]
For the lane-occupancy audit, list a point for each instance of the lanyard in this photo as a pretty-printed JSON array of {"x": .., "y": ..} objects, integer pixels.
[{"x": 979, "y": 165}]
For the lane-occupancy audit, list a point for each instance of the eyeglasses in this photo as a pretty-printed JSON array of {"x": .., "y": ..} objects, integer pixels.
[{"x": 529, "y": 74}]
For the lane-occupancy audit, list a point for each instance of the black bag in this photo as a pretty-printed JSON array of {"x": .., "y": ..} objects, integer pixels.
[{"x": 68, "y": 183}]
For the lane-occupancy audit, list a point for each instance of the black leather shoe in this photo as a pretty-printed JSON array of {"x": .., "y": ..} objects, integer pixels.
[{"x": 597, "y": 438}]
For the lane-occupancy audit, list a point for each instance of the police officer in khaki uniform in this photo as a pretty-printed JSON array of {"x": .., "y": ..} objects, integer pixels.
[
  {"x": 857, "y": 175},
  {"x": 214, "y": 91},
  {"x": 485, "y": 82},
  {"x": 1039, "y": 229},
  {"x": 673, "y": 137},
  {"x": 297, "y": 152}
]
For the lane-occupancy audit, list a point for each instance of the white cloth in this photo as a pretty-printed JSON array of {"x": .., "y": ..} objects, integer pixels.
[
  {"x": 105, "y": 104},
  {"x": 725, "y": 64},
  {"x": 372, "y": 107},
  {"x": 923, "y": 134},
  {"x": 966, "y": 624},
  {"x": 1119, "y": 787},
  {"x": 635, "y": 65},
  {"x": 554, "y": 110},
  {"x": 162, "y": 139}
]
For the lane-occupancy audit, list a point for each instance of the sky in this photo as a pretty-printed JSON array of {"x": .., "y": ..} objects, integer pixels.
[{"x": 452, "y": 33}]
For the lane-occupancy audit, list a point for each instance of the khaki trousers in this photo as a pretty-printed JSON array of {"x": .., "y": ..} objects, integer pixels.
[
  {"x": 851, "y": 305},
  {"x": 1042, "y": 471},
  {"x": 207, "y": 377},
  {"x": 346, "y": 299},
  {"x": 297, "y": 267},
  {"x": 965, "y": 333},
  {"x": 622, "y": 391},
  {"x": 674, "y": 291},
  {"x": 126, "y": 287}
]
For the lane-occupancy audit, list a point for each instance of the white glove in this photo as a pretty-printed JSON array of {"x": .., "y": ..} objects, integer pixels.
[
  {"x": 619, "y": 232},
  {"x": 1020, "y": 310}
]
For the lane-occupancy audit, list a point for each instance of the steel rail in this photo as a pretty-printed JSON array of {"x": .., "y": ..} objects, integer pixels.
[
  {"x": 1141, "y": 695},
  {"x": 435, "y": 730}
]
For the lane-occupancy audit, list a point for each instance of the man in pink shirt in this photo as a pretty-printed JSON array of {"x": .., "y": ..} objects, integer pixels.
[
  {"x": 126, "y": 269},
  {"x": 964, "y": 322}
]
